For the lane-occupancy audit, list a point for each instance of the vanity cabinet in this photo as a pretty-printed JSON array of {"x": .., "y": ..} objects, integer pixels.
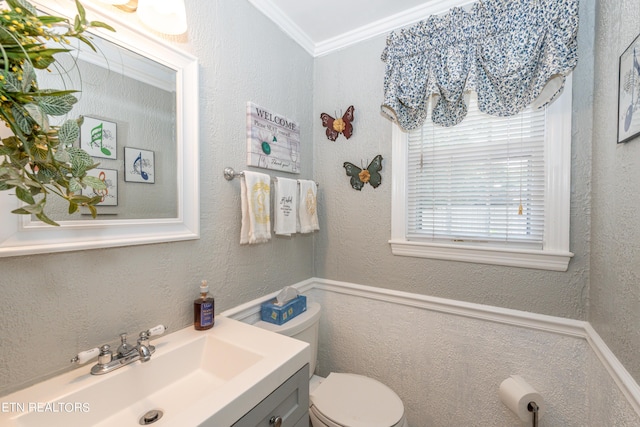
[{"x": 290, "y": 402}]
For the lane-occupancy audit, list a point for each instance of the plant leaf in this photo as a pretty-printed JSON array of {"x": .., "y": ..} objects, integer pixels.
[
  {"x": 11, "y": 82},
  {"x": 74, "y": 185},
  {"x": 40, "y": 152},
  {"x": 87, "y": 42},
  {"x": 45, "y": 176},
  {"x": 29, "y": 209},
  {"x": 38, "y": 115},
  {"x": 24, "y": 195},
  {"x": 62, "y": 156},
  {"x": 5, "y": 151},
  {"x": 81, "y": 11},
  {"x": 22, "y": 4},
  {"x": 21, "y": 211},
  {"x": 22, "y": 118},
  {"x": 28, "y": 76},
  {"x": 94, "y": 182},
  {"x": 80, "y": 161},
  {"x": 49, "y": 19},
  {"x": 102, "y": 25},
  {"x": 42, "y": 217},
  {"x": 69, "y": 133},
  {"x": 68, "y": 98},
  {"x": 54, "y": 105}
]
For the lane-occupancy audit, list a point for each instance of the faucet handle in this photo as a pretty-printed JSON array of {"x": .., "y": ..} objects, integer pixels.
[
  {"x": 124, "y": 348},
  {"x": 143, "y": 339},
  {"x": 105, "y": 355},
  {"x": 156, "y": 330},
  {"x": 84, "y": 356}
]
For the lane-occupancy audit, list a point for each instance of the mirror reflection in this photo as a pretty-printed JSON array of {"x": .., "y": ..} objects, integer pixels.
[
  {"x": 128, "y": 103},
  {"x": 139, "y": 98}
]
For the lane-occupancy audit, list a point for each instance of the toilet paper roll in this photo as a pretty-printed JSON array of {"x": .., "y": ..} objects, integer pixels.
[{"x": 516, "y": 394}]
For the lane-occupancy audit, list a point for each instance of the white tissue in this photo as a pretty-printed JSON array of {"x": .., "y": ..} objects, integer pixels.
[{"x": 286, "y": 294}]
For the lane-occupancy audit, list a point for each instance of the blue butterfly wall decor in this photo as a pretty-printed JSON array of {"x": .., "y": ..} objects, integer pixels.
[{"x": 359, "y": 177}]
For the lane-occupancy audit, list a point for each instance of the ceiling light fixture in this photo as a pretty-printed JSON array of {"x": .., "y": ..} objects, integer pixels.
[{"x": 164, "y": 16}]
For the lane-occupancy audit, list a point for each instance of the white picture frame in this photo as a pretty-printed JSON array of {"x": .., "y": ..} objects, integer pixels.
[{"x": 139, "y": 165}]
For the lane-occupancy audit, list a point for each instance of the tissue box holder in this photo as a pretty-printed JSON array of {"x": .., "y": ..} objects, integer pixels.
[{"x": 269, "y": 312}]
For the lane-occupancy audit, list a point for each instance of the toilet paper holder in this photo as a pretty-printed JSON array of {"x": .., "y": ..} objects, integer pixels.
[
  {"x": 533, "y": 407},
  {"x": 521, "y": 398}
]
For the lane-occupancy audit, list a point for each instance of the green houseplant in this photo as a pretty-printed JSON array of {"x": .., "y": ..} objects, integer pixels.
[{"x": 40, "y": 159}]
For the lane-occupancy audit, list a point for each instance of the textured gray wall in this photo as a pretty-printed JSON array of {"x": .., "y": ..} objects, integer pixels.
[
  {"x": 615, "y": 233},
  {"x": 48, "y": 313},
  {"x": 447, "y": 368},
  {"x": 353, "y": 245}
]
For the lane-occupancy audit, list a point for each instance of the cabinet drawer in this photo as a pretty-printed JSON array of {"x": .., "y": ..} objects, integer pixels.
[{"x": 290, "y": 401}]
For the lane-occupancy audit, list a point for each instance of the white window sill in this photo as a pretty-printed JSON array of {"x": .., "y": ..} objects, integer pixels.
[{"x": 527, "y": 258}]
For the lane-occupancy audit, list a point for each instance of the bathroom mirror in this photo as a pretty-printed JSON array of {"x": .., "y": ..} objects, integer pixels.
[{"x": 154, "y": 131}]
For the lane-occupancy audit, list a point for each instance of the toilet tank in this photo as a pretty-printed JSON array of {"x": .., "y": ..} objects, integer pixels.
[{"x": 303, "y": 327}]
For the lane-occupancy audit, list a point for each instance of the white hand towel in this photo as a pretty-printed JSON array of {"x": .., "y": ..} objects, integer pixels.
[
  {"x": 307, "y": 211},
  {"x": 285, "y": 206},
  {"x": 255, "y": 191}
]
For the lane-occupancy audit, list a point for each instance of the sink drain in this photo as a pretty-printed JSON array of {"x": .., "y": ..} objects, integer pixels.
[{"x": 151, "y": 417}]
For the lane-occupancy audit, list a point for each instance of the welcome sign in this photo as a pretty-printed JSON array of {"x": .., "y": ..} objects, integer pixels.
[{"x": 273, "y": 141}]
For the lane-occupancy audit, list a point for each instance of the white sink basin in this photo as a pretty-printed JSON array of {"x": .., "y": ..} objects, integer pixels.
[{"x": 194, "y": 377}]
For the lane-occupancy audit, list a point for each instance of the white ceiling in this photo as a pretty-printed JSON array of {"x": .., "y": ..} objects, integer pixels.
[{"x": 324, "y": 26}]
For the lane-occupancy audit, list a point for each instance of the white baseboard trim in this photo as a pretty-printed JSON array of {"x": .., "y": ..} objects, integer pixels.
[{"x": 557, "y": 325}]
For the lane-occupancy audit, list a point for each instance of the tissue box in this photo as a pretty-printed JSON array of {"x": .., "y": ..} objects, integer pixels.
[{"x": 269, "y": 312}]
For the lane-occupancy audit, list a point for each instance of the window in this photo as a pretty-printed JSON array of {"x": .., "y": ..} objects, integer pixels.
[{"x": 492, "y": 190}]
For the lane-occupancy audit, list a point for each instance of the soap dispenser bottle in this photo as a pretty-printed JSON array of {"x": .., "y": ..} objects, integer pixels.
[{"x": 203, "y": 309}]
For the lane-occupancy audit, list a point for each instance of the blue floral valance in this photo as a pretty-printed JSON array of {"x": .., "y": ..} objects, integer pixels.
[{"x": 513, "y": 53}]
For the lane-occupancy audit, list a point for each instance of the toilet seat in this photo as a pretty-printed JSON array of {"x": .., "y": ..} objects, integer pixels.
[{"x": 356, "y": 401}]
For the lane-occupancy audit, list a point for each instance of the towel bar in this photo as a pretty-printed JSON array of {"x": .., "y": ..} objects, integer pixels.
[{"x": 230, "y": 174}]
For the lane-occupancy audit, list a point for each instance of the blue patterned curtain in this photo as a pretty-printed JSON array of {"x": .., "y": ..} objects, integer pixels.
[{"x": 513, "y": 53}]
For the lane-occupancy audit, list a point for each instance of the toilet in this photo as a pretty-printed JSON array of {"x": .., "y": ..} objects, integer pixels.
[{"x": 341, "y": 399}]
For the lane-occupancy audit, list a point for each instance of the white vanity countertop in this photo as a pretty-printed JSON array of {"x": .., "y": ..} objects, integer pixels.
[{"x": 209, "y": 378}]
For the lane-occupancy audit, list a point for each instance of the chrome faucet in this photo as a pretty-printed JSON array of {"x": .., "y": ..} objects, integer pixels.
[{"x": 125, "y": 354}]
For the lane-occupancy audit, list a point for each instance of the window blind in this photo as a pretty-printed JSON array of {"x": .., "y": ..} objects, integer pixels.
[{"x": 481, "y": 181}]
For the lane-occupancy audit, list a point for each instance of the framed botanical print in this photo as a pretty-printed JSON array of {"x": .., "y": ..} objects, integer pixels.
[{"x": 629, "y": 93}]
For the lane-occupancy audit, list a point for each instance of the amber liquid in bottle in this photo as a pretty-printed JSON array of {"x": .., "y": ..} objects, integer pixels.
[{"x": 203, "y": 310}]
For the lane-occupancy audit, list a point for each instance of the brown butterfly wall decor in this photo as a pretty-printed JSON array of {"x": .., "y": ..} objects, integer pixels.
[{"x": 341, "y": 125}]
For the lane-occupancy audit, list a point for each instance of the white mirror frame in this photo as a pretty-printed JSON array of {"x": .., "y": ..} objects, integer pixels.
[{"x": 20, "y": 235}]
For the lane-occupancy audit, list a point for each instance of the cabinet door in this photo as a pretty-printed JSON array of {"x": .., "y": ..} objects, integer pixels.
[{"x": 290, "y": 402}]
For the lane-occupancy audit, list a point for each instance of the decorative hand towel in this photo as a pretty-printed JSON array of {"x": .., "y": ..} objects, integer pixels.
[
  {"x": 255, "y": 193},
  {"x": 307, "y": 211},
  {"x": 285, "y": 206}
]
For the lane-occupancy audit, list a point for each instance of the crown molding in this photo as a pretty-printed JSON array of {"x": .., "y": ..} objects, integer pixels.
[
  {"x": 386, "y": 25},
  {"x": 290, "y": 28},
  {"x": 382, "y": 26}
]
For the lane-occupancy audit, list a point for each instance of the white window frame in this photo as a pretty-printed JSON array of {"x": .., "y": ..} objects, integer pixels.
[{"x": 554, "y": 255}]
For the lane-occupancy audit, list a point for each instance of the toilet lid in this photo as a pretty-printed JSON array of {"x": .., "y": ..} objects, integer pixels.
[{"x": 357, "y": 401}]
